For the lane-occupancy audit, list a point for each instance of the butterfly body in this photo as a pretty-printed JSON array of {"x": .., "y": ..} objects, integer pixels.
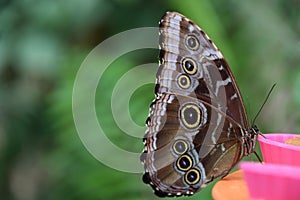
[{"x": 197, "y": 129}]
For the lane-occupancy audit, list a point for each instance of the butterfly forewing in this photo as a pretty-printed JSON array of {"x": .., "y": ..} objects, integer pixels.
[
  {"x": 212, "y": 82},
  {"x": 197, "y": 127}
]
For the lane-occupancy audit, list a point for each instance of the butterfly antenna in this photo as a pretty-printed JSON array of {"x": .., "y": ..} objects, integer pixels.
[
  {"x": 249, "y": 108},
  {"x": 261, "y": 107}
]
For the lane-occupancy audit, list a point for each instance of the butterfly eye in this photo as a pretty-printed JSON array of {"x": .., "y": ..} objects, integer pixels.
[
  {"x": 180, "y": 147},
  {"x": 192, "y": 177},
  {"x": 189, "y": 66},
  {"x": 192, "y": 42},
  {"x": 184, "y": 81},
  {"x": 184, "y": 163},
  {"x": 191, "y": 116}
]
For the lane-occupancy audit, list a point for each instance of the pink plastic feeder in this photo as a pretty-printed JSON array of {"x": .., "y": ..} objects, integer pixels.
[
  {"x": 272, "y": 181},
  {"x": 274, "y": 149}
]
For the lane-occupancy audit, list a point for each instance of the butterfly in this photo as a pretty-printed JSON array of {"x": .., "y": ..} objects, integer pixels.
[{"x": 197, "y": 129}]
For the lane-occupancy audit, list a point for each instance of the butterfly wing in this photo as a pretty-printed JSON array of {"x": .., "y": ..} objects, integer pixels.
[
  {"x": 196, "y": 123},
  {"x": 190, "y": 64},
  {"x": 179, "y": 156}
]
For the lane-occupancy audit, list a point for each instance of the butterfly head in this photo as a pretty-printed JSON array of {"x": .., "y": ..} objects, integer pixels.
[{"x": 255, "y": 130}]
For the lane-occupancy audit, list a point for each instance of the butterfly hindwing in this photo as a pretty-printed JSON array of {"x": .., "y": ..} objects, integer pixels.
[{"x": 174, "y": 139}]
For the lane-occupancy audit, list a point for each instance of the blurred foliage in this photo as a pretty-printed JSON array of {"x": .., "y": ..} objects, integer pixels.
[{"x": 43, "y": 43}]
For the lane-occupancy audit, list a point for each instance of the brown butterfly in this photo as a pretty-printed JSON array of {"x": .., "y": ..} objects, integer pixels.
[{"x": 197, "y": 129}]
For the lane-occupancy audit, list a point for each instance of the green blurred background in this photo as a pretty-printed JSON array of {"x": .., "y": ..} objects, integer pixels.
[{"x": 44, "y": 42}]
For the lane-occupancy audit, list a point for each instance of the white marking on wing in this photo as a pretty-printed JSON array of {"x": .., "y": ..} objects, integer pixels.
[
  {"x": 222, "y": 83},
  {"x": 233, "y": 96},
  {"x": 223, "y": 147},
  {"x": 191, "y": 28}
]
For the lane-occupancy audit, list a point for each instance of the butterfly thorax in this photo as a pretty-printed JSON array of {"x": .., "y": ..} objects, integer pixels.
[{"x": 249, "y": 140}]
